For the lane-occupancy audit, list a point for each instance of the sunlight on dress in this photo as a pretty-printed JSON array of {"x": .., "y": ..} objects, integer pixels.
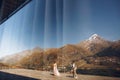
[{"x": 55, "y": 70}]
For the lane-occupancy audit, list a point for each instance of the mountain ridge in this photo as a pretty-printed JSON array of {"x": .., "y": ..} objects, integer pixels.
[{"x": 85, "y": 53}]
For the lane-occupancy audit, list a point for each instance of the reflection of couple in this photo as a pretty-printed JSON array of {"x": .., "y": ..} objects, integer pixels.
[{"x": 55, "y": 70}]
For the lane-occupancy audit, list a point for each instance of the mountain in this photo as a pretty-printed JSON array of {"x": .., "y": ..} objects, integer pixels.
[
  {"x": 88, "y": 53},
  {"x": 12, "y": 59},
  {"x": 15, "y": 58},
  {"x": 92, "y": 53},
  {"x": 95, "y": 38},
  {"x": 94, "y": 44},
  {"x": 113, "y": 50},
  {"x": 4, "y": 66}
]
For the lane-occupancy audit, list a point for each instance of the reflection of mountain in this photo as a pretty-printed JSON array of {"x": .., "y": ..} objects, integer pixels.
[{"x": 94, "y": 52}]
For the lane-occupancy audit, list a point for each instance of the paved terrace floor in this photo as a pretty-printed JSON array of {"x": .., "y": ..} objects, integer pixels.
[{"x": 25, "y": 74}]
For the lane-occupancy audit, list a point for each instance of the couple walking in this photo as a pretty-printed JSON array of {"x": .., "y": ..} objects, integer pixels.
[{"x": 56, "y": 72}]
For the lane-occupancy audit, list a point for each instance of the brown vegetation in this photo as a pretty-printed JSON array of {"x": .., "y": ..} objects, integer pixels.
[
  {"x": 97, "y": 53},
  {"x": 4, "y": 66}
]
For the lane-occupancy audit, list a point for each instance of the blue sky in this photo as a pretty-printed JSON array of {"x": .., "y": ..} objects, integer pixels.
[{"x": 54, "y": 23}]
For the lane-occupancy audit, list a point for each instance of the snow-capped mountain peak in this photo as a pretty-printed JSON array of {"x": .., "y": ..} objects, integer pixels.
[{"x": 94, "y": 37}]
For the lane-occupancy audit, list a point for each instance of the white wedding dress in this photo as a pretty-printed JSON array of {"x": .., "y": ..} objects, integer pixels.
[{"x": 55, "y": 70}]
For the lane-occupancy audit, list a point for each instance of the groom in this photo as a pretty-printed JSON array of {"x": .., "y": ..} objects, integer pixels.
[{"x": 74, "y": 68}]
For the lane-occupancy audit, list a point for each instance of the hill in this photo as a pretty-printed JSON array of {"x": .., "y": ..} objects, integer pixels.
[
  {"x": 15, "y": 58},
  {"x": 3, "y": 66},
  {"x": 93, "y": 53}
]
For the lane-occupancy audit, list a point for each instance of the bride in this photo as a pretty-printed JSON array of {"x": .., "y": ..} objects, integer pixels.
[{"x": 55, "y": 70}]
